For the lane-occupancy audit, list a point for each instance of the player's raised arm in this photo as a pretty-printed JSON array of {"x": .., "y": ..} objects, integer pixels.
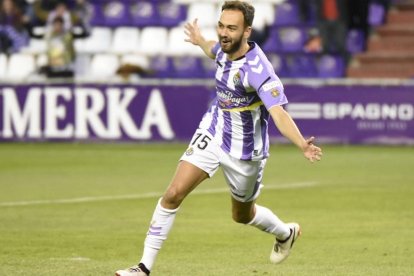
[
  {"x": 195, "y": 37},
  {"x": 288, "y": 128}
]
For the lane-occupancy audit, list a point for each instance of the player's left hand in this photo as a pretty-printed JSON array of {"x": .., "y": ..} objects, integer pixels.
[
  {"x": 192, "y": 31},
  {"x": 312, "y": 152}
]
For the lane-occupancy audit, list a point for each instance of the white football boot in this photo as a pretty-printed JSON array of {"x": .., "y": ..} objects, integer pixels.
[
  {"x": 281, "y": 249},
  {"x": 136, "y": 270}
]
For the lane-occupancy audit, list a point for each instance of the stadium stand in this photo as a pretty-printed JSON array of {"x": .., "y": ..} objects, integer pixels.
[
  {"x": 390, "y": 50},
  {"x": 152, "y": 31}
]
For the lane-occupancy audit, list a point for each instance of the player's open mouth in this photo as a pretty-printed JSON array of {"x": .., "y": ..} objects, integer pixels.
[{"x": 225, "y": 42}]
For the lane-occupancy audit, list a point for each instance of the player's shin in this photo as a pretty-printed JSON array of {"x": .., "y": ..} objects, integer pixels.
[
  {"x": 161, "y": 223},
  {"x": 267, "y": 221}
]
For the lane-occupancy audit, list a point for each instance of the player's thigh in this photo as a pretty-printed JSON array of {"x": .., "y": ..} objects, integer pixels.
[
  {"x": 186, "y": 178},
  {"x": 243, "y": 177},
  {"x": 203, "y": 152},
  {"x": 199, "y": 162}
]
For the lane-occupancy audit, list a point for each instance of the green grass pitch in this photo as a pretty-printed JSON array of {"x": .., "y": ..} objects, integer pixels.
[{"x": 84, "y": 209}]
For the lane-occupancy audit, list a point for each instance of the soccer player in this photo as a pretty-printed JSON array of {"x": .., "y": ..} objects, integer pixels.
[{"x": 233, "y": 135}]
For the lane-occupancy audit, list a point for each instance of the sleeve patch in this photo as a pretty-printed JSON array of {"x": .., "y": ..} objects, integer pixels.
[{"x": 271, "y": 85}]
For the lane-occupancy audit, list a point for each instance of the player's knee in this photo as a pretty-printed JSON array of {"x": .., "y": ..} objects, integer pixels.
[{"x": 173, "y": 198}]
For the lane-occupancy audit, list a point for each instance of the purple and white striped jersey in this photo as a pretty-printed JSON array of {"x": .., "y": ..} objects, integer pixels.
[{"x": 246, "y": 88}]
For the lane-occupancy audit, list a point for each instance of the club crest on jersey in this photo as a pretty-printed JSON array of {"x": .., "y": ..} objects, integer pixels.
[
  {"x": 275, "y": 92},
  {"x": 236, "y": 79},
  {"x": 189, "y": 151}
]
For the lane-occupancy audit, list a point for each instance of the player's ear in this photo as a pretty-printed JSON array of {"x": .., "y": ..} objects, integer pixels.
[{"x": 247, "y": 32}]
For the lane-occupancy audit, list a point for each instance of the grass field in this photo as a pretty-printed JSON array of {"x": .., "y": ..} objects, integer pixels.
[{"x": 76, "y": 209}]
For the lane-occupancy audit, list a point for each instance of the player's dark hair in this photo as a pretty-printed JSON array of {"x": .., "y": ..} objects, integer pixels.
[
  {"x": 58, "y": 19},
  {"x": 244, "y": 7}
]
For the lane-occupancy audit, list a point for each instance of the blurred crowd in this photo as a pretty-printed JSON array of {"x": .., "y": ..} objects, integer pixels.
[
  {"x": 334, "y": 19},
  {"x": 60, "y": 22},
  {"x": 57, "y": 21},
  {"x": 19, "y": 19}
]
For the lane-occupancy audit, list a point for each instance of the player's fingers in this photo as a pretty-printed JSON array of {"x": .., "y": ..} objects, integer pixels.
[
  {"x": 188, "y": 27},
  {"x": 316, "y": 149}
]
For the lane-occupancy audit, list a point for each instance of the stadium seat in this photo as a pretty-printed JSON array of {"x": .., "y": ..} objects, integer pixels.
[
  {"x": 144, "y": 13},
  {"x": 162, "y": 66},
  {"x": 110, "y": 13},
  {"x": 209, "y": 33},
  {"x": 330, "y": 66},
  {"x": 376, "y": 14},
  {"x": 302, "y": 66},
  {"x": 97, "y": 18},
  {"x": 171, "y": 14},
  {"x": 104, "y": 66},
  {"x": 205, "y": 12},
  {"x": 267, "y": 15},
  {"x": 279, "y": 65},
  {"x": 177, "y": 45},
  {"x": 41, "y": 60},
  {"x": 188, "y": 67},
  {"x": 99, "y": 41},
  {"x": 272, "y": 43},
  {"x": 82, "y": 65},
  {"x": 3, "y": 65},
  {"x": 116, "y": 13},
  {"x": 153, "y": 40},
  {"x": 125, "y": 40},
  {"x": 20, "y": 66},
  {"x": 286, "y": 14},
  {"x": 36, "y": 46},
  {"x": 355, "y": 42},
  {"x": 292, "y": 39},
  {"x": 209, "y": 67}
]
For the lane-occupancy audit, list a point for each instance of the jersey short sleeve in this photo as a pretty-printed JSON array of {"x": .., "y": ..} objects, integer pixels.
[{"x": 265, "y": 81}]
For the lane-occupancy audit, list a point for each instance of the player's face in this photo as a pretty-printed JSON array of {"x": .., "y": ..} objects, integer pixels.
[{"x": 231, "y": 31}]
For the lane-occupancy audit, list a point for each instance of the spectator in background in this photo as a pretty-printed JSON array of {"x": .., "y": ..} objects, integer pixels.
[
  {"x": 60, "y": 10},
  {"x": 12, "y": 27},
  {"x": 41, "y": 10},
  {"x": 60, "y": 51},
  {"x": 358, "y": 15},
  {"x": 332, "y": 23},
  {"x": 82, "y": 14}
]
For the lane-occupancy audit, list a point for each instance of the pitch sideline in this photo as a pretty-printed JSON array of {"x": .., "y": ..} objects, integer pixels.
[{"x": 145, "y": 195}]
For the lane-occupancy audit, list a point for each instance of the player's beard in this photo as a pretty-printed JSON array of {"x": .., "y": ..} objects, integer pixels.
[{"x": 232, "y": 46}]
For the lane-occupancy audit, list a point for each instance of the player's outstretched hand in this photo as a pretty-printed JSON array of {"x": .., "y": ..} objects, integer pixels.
[
  {"x": 192, "y": 31},
  {"x": 312, "y": 152}
]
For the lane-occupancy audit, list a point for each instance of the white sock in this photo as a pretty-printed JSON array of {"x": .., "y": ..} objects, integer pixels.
[
  {"x": 161, "y": 223},
  {"x": 265, "y": 220}
]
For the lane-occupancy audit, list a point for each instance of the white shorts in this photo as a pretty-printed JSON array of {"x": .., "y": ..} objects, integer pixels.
[{"x": 244, "y": 178}]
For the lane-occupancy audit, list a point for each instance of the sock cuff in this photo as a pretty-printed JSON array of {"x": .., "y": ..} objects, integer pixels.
[
  {"x": 252, "y": 222},
  {"x": 170, "y": 211}
]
